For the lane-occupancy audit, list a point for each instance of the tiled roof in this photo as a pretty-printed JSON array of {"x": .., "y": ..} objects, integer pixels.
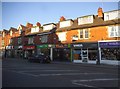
[{"x": 96, "y": 22}]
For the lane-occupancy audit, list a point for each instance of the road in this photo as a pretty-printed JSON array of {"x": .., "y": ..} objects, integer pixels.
[{"x": 21, "y": 73}]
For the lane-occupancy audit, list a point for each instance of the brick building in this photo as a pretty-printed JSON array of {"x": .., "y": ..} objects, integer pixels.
[{"x": 86, "y": 39}]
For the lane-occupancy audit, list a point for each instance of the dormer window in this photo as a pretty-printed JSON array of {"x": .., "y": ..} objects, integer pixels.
[
  {"x": 66, "y": 23},
  {"x": 35, "y": 29},
  {"x": 111, "y": 15},
  {"x": 85, "y": 20},
  {"x": 48, "y": 27}
]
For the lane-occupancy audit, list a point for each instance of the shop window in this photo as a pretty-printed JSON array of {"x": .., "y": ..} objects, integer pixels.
[
  {"x": 110, "y": 54},
  {"x": 92, "y": 54},
  {"x": 11, "y": 33}
]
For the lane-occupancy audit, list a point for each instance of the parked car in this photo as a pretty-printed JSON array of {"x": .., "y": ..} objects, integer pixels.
[{"x": 41, "y": 58}]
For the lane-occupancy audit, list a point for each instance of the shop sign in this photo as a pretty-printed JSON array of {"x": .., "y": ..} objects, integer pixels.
[
  {"x": 109, "y": 44},
  {"x": 62, "y": 45},
  {"x": 9, "y": 47},
  {"x": 77, "y": 45},
  {"x": 50, "y": 46},
  {"x": 46, "y": 46},
  {"x": 29, "y": 47},
  {"x": 59, "y": 45},
  {"x": 42, "y": 46}
]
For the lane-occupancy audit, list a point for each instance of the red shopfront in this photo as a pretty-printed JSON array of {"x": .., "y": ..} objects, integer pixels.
[{"x": 28, "y": 51}]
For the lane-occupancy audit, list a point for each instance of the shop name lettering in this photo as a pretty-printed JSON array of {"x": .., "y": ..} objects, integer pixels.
[
  {"x": 111, "y": 44},
  {"x": 78, "y": 45},
  {"x": 30, "y": 47}
]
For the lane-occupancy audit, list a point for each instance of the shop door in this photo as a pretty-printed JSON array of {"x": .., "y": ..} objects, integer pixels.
[{"x": 84, "y": 53}]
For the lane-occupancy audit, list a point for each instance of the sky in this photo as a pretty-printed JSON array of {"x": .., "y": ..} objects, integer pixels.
[{"x": 16, "y": 13}]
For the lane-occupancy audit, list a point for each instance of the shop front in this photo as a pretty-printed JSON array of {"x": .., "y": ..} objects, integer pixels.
[
  {"x": 28, "y": 51},
  {"x": 18, "y": 52},
  {"x": 62, "y": 52},
  {"x": 109, "y": 52},
  {"x": 85, "y": 52},
  {"x": 46, "y": 49},
  {"x": 9, "y": 51}
]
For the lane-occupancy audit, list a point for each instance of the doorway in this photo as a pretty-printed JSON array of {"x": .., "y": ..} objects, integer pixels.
[{"x": 84, "y": 53}]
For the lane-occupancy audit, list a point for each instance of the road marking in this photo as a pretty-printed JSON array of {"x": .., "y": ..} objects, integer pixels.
[
  {"x": 90, "y": 80},
  {"x": 79, "y": 82},
  {"x": 49, "y": 70},
  {"x": 85, "y": 85},
  {"x": 53, "y": 74},
  {"x": 61, "y": 74}
]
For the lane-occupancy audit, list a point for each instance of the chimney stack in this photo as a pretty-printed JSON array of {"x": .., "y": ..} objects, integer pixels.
[
  {"x": 100, "y": 12},
  {"x": 38, "y": 24},
  {"x": 62, "y": 18}
]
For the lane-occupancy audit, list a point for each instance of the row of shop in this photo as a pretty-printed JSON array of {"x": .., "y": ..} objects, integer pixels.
[{"x": 96, "y": 52}]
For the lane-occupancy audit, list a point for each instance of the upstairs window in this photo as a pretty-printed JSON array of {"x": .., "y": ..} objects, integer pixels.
[
  {"x": 3, "y": 43},
  {"x": 81, "y": 34},
  {"x": 31, "y": 40},
  {"x": 11, "y": 41},
  {"x": 62, "y": 36},
  {"x": 20, "y": 31},
  {"x": 114, "y": 31},
  {"x": 44, "y": 39},
  {"x": 3, "y": 34},
  {"x": 19, "y": 41},
  {"x": 84, "y": 33},
  {"x": 11, "y": 33}
]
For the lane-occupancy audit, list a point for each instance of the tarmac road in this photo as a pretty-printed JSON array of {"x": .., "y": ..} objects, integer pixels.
[{"x": 21, "y": 73}]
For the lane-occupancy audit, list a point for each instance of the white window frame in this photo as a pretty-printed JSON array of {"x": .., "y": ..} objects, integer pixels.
[
  {"x": 84, "y": 33},
  {"x": 115, "y": 30}
]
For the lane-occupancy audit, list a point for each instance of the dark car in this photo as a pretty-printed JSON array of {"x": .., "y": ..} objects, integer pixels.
[{"x": 41, "y": 58}]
